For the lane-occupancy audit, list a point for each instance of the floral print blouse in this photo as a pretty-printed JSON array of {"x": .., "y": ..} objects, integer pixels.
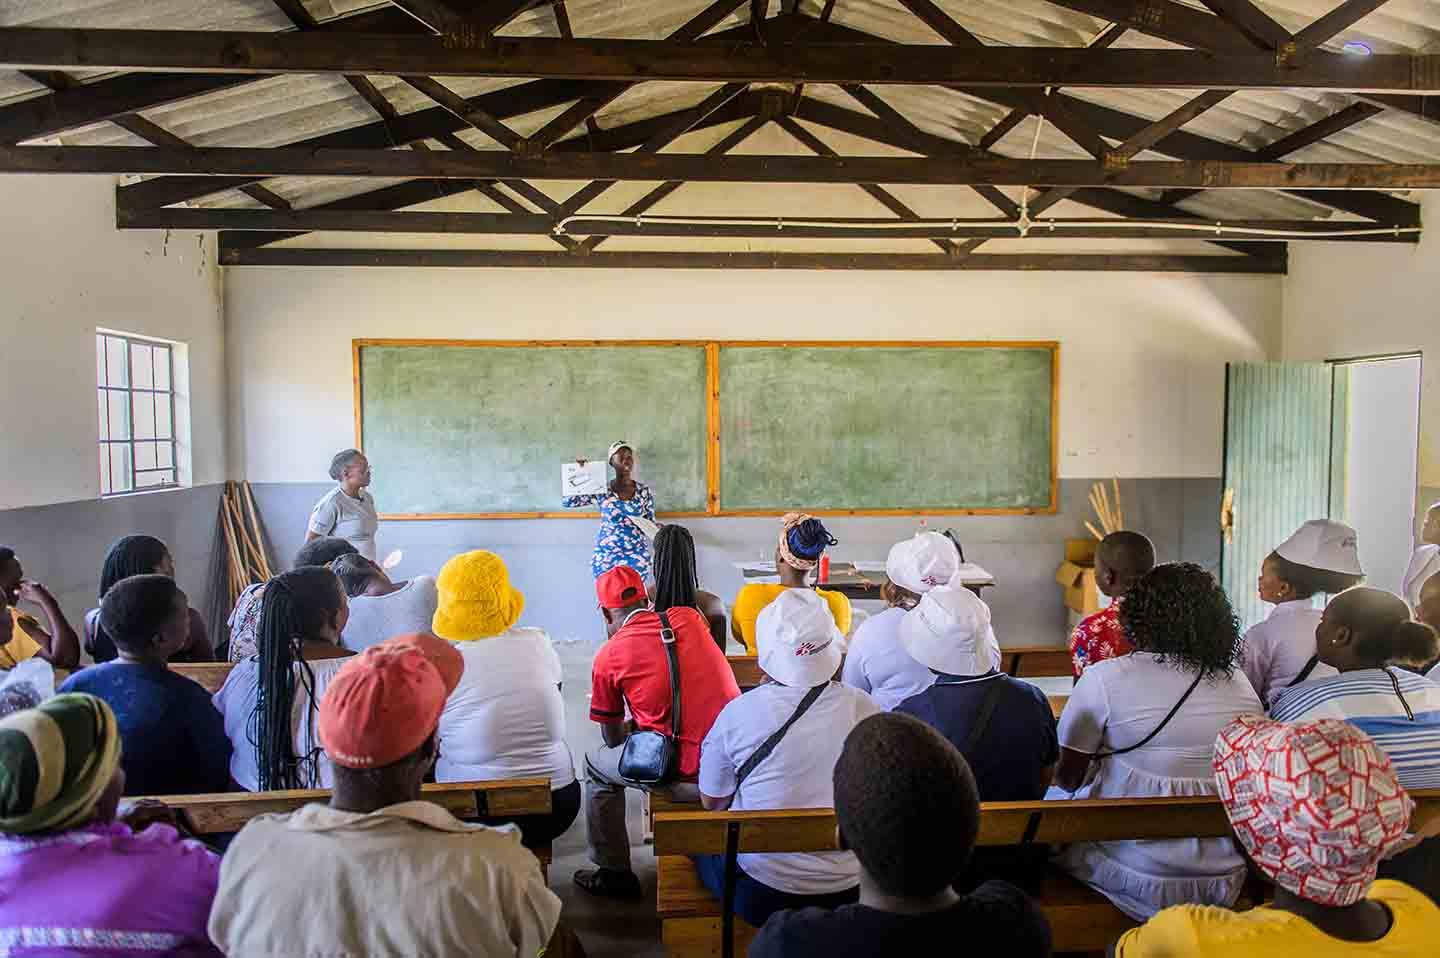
[{"x": 619, "y": 541}]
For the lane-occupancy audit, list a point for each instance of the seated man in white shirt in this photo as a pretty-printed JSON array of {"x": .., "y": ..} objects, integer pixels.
[
  {"x": 775, "y": 747},
  {"x": 378, "y": 871},
  {"x": 876, "y": 662}
]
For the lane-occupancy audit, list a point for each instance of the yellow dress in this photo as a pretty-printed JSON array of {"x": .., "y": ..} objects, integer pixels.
[
  {"x": 756, "y": 596},
  {"x": 1193, "y": 931},
  {"x": 21, "y": 646}
]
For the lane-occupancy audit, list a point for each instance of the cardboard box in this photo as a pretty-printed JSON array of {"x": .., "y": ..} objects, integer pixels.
[{"x": 1076, "y": 576}]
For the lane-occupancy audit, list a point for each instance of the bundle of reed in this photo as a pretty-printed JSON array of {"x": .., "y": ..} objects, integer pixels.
[
  {"x": 245, "y": 557},
  {"x": 1111, "y": 516}
]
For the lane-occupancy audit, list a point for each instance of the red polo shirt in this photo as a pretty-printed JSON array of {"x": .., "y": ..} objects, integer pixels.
[{"x": 631, "y": 669}]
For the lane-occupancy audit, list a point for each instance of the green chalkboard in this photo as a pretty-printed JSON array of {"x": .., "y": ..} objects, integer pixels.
[
  {"x": 481, "y": 429},
  {"x": 868, "y": 427}
]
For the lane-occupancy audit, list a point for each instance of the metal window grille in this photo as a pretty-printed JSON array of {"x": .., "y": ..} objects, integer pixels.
[{"x": 135, "y": 380}]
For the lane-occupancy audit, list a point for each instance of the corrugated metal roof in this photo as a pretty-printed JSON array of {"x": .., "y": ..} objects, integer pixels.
[{"x": 282, "y": 110}]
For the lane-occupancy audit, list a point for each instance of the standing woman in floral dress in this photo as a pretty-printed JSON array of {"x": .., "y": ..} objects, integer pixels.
[{"x": 619, "y": 541}]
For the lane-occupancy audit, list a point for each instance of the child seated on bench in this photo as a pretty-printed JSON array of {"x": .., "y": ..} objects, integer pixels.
[
  {"x": 1316, "y": 806},
  {"x": 174, "y": 740},
  {"x": 803, "y": 718},
  {"x": 907, "y": 806}
]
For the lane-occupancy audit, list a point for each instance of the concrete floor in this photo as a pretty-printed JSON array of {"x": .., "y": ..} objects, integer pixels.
[{"x": 608, "y": 929}]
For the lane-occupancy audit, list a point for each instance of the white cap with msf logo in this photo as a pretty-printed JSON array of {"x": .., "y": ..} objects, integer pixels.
[
  {"x": 922, "y": 562},
  {"x": 1323, "y": 544},
  {"x": 797, "y": 640}
]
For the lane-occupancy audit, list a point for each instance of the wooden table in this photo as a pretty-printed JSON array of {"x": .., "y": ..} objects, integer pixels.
[{"x": 857, "y": 585}]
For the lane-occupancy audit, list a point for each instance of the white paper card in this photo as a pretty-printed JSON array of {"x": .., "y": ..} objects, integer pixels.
[{"x": 586, "y": 480}]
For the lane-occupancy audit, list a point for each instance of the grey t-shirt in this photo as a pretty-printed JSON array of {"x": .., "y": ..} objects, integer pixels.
[
  {"x": 336, "y": 514},
  {"x": 375, "y": 618}
]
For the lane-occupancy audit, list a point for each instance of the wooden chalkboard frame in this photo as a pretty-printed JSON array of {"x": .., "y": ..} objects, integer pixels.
[{"x": 712, "y": 347}]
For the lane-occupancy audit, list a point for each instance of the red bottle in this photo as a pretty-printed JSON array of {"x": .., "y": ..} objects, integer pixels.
[{"x": 824, "y": 576}]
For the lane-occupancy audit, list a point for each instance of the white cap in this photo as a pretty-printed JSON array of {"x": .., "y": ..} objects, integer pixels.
[
  {"x": 1323, "y": 544},
  {"x": 797, "y": 640},
  {"x": 922, "y": 562},
  {"x": 615, "y": 447},
  {"x": 949, "y": 631}
]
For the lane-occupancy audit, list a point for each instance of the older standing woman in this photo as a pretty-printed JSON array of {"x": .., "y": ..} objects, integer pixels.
[
  {"x": 347, "y": 511},
  {"x": 619, "y": 541},
  {"x": 506, "y": 718},
  {"x": 77, "y": 881}
]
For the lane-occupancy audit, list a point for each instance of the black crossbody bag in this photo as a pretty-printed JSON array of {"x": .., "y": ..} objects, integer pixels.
[{"x": 651, "y": 757}]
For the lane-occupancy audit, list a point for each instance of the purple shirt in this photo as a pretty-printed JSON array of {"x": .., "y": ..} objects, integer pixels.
[{"x": 103, "y": 891}]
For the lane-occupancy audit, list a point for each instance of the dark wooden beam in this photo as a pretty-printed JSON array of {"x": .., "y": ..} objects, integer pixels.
[
  {"x": 635, "y": 60},
  {"x": 1320, "y": 130},
  {"x": 88, "y": 103},
  {"x": 630, "y": 223},
  {"x": 1257, "y": 25},
  {"x": 912, "y": 134},
  {"x": 995, "y": 171},
  {"x": 1064, "y": 262},
  {"x": 876, "y": 192},
  {"x": 474, "y": 116},
  {"x": 725, "y": 144},
  {"x": 585, "y": 109},
  {"x": 1167, "y": 20}
]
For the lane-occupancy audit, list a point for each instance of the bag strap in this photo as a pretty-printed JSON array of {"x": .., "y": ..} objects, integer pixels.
[
  {"x": 667, "y": 638},
  {"x": 1305, "y": 672},
  {"x": 763, "y": 752},
  {"x": 987, "y": 710},
  {"x": 1156, "y": 730}
]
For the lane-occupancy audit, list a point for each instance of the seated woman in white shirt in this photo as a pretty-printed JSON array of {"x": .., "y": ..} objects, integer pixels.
[
  {"x": 1116, "y": 741},
  {"x": 1320, "y": 558},
  {"x": 381, "y": 609},
  {"x": 506, "y": 718},
  {"x": 876, "y": 663},
  {"x": 271, "y": 701},
  {"x": 799, "y": 651}
]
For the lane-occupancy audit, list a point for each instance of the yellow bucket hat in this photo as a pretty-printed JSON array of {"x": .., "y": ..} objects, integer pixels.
[{"x": 476, "y": 598}]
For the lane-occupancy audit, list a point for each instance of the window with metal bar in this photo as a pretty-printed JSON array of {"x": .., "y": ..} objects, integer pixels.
[{"x": 135, "y": 381}]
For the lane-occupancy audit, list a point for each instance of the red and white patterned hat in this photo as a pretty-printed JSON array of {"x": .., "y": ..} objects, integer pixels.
[{"x": 1317, "y": 804}]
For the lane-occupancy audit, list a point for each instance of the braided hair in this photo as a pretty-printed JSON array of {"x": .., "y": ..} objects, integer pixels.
[
  {"x": 129, "y": 556},
  {"x": 296, "y": 607},
  {"x": 676, "y": 581}
]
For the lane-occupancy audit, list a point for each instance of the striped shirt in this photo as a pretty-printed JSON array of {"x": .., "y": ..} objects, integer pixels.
[{"x": 1366, "y": 699}]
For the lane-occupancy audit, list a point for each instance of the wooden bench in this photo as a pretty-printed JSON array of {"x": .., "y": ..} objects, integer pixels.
[
  {"x": 1081, "y": 919},
  {"x": 1036, "y": 661},
  {"x": 210, "y": 675},
  {"x": 221, "y": 812}
]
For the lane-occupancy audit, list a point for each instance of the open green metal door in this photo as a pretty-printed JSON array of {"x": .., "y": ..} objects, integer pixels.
[{"x": 1278, "y": 452}]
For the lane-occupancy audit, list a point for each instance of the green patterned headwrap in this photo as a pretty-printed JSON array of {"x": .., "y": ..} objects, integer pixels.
[{"x": 55, "y": 762}]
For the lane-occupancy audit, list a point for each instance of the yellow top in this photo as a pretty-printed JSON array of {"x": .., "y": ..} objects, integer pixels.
[
  {"x": 757, "y": 595},
  {"x": 1201, "y": 930},
  {"x": 21, "y": 646}
]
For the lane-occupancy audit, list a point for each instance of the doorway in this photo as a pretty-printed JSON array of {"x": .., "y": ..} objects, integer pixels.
[
  {"x": 1376, "y": 470},
  {"x": 1338, "y": 439}
]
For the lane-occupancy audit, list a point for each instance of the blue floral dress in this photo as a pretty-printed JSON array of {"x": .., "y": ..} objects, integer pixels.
[{"x": 619, "y": 541}]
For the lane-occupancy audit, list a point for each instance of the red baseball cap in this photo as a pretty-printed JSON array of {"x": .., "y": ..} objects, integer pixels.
[
  {"x": 385, "y": 702},
  {"x": 620, "y": 587}
]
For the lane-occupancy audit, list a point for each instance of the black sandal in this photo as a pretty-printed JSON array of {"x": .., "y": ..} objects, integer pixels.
[{"x": 609, "y": 883}]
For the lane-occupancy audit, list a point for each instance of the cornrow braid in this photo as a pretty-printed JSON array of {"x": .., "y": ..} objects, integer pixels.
[
  {"x": 296, "y": 606},
  {"x": 676, "y": 580}
]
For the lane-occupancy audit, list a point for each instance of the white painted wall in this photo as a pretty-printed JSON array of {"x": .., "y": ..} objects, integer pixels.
[
  {"x": 1142, "y": 356},
  {"x": 1347, "y": 299},
  {"x": 64, "y": 270}
]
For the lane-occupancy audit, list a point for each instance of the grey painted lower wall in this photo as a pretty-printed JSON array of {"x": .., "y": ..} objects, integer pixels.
[
  {"x": 64, "y": 545},
  {"x": 549, "y": 559}
]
